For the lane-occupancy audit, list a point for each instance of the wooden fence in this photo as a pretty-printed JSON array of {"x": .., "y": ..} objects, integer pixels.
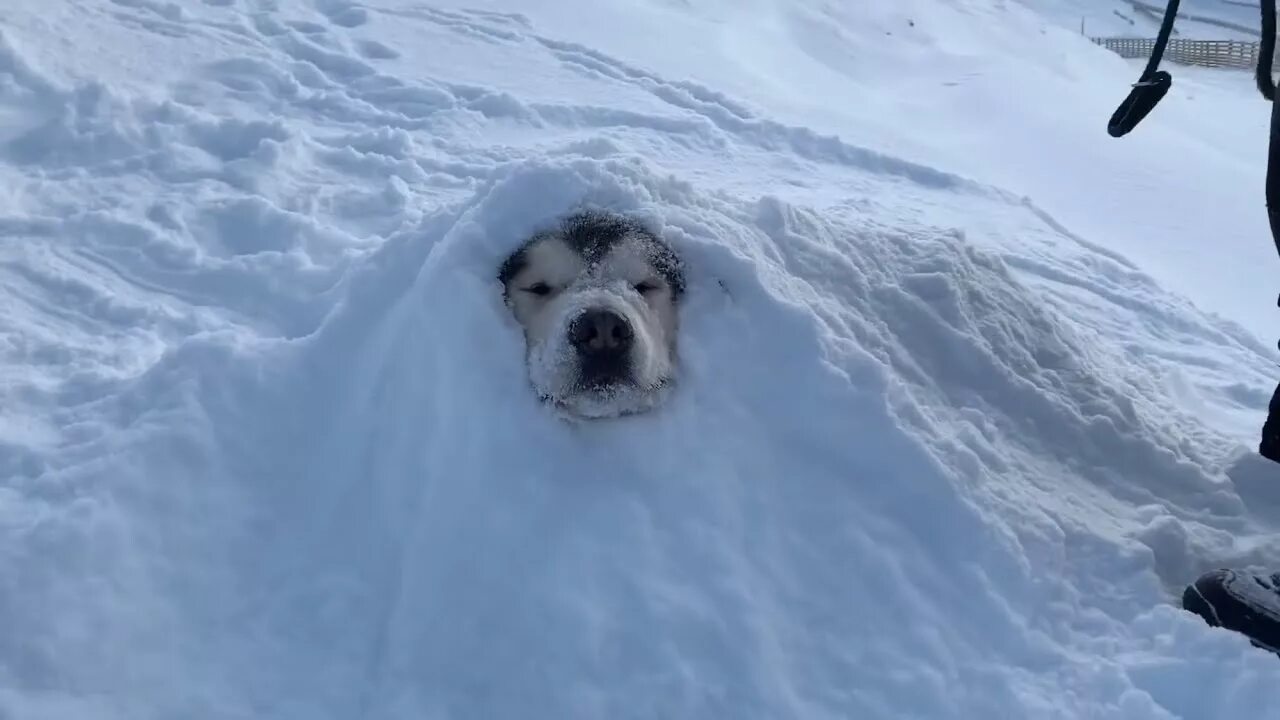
[{"x": 1207, "y": 53}]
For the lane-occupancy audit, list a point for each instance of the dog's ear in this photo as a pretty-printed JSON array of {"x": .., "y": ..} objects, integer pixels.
[
  {"x": 670, "y": 265},
  {"x": 512, "y": 266},
  {"x": 662, "y": 255}
]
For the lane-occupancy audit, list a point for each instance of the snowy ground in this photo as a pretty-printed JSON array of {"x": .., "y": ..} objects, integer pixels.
[
  {"x": 949, "y": 437},
  {"x": 1198, "y": 19}
]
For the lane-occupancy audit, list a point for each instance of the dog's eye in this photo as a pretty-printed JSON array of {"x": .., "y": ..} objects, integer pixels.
[
  {"x": 646, "y": 287},
  {"x": 538, "y": 289}
]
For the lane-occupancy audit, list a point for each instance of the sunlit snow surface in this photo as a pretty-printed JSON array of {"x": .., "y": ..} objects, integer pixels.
[{"x": 268, "y": 448}]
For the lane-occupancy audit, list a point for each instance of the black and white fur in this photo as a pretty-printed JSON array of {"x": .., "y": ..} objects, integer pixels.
[{"x": 598, "y": 298}]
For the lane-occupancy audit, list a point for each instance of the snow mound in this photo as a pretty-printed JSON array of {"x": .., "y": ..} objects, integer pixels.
[{"x": 269, "y": 449}]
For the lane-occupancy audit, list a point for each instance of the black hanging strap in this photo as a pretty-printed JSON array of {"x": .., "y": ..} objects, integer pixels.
[
  {"x": 1267, "y": 86},
  {"x": 1269, "y": 445},
  {"x": 1152, "y": 86},
  {"x": 1155, "y": 83},
  {"x": 1267, "y": 50}
]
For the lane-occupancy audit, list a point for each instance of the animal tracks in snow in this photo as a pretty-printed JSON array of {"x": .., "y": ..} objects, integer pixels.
[
  {"x": 334, "y": 72},
  {"x": 349, "y": 115},
  {"x": 485, "y": 26},
  {"x": 251, "y": 385},
  {"x": 374, "y": 50},
  {"x": 344, "y": 14}
]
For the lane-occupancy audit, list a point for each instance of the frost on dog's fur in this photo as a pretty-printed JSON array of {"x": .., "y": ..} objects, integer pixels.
[
  {"x": 554, "y": 367},
  {"x": 597, "y": 262}
]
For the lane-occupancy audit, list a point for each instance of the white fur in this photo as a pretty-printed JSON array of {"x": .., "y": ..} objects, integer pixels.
[{"x": 553, "y": 363}]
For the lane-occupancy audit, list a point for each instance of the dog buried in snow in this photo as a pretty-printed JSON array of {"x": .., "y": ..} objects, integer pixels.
[{"x": 598, "y": 298}]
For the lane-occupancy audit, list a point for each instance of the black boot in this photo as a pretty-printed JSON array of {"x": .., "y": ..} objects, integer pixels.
[{"x": 1248, "y": 604}]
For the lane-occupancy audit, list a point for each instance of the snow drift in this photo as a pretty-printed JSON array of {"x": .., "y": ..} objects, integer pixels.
[{"x": 268, "y": 449}]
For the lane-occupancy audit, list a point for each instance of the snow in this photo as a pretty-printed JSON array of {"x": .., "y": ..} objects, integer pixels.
[
  {"x": 1197, "y": 19},
  {"x": 968, "y": 390}
]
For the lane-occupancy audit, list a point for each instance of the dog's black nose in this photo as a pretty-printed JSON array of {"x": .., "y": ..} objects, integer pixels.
[{"x": 601, "y": 333}]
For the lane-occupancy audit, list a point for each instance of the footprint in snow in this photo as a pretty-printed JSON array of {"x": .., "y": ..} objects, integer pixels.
[
  {"x": 307, "y": 28},
  {"x": 374, "y": 50},
  {"x": 343, "y": 14}
]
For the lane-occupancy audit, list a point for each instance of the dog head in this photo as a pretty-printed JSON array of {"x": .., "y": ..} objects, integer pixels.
[{"x": 597, "y": 297}]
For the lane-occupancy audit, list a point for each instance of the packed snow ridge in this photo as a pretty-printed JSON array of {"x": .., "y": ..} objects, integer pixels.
[{"x": 268, "y": 447}]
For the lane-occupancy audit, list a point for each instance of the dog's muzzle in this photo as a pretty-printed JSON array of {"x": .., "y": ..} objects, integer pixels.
[{"x": 603, "y": 340}]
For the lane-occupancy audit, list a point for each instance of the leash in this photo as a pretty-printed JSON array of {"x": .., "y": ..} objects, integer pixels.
[
  {"x": 1267, "y": 86},
  {"x": 1269, "y": 447},
  {"x": 1151, "y": 88},
  {"x": 1154, "y": 84}
]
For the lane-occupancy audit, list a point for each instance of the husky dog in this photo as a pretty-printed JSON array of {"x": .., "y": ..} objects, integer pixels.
[{"x": 597, "y": 297}]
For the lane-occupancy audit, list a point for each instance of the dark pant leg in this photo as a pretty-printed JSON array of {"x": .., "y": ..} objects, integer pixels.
[{"x": 1270, "y": 445}]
